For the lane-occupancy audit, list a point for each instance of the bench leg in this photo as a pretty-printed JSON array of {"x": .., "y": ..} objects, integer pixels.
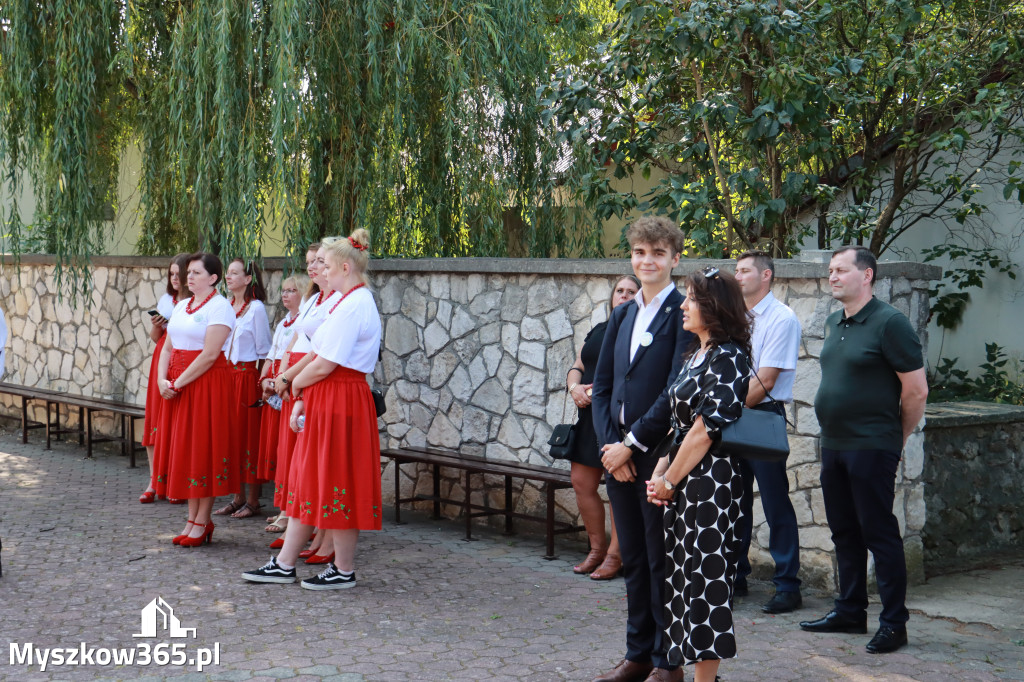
[
  {"x": 508, "y": 505},
  {"x": 80, "y": 415},
  {"x": 49, "y": 422},
  {"x": 550, "y": 489},
  {"x": 131, "y": 442},
  {"x": 466, "y": 508},
  {"x": 437, "y": 491},
  {"x": 24, "y": 419},
  {"x": 398, "y": 507},
  {"x": 88, "y": 434}
]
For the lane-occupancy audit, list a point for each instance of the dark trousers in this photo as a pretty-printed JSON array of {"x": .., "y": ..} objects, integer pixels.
[
  {"x": 784, "y": 535},
  {"x": 859, "y": 489},
  {"x": 641, "y": 530}
]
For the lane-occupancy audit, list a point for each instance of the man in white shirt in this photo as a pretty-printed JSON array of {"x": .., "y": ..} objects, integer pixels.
[{"x": 775, "y": 340}]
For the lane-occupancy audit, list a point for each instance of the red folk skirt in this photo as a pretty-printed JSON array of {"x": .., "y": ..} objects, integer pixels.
[
  {"x": 285, "y": 444},
  {"x": 245, "y": 379},
  {"x": 335, "y": 474},
  {"x": 200, "y": 457},
  {"x": 154, "y": 401},
  {"x": 270, "y": 422}
]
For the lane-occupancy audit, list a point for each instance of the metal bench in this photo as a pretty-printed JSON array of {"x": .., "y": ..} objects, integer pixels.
[
  {"x": 128, "y": 413},
  {"x": 553, "y": 479}
]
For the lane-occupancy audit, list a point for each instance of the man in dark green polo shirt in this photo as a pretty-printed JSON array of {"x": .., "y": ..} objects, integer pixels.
[{"x": 871, "y": 398}]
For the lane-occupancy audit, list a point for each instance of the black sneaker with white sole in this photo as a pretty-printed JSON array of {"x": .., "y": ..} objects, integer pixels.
[
  {"x": 330, "y": 579},
  {"x": 271, "y": 572}
]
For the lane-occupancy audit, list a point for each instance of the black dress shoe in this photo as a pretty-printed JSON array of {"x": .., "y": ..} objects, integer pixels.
[
  {"x": 834, "y": 622},
  {"x": 739, "y": 588},
  {"x": 886, "y": 640},
  {"x": 783, "y": 602}
]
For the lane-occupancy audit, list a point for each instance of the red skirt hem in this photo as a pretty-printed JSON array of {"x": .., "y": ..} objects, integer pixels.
[
  {"x": 201, "y": 453},
  {"x": 334, "y": 481}
]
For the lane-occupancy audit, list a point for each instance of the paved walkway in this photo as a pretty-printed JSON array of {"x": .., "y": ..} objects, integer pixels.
[{"x": 82, "y": 558}]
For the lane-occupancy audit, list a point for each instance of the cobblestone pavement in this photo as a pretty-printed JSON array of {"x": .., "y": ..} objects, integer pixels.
[{"x": 81, "y": 558}]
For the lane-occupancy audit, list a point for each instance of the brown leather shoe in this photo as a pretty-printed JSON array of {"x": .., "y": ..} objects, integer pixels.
[
  {"x": 608, "y": 569},
  {"x": 593, "y": 560},
  {"x": 626, "y": 671},
  {"x": 662, "y": 675}
]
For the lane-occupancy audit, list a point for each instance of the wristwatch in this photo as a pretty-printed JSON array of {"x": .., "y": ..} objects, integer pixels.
[
  {"x": 669, "y": 485},
  {"x": 284, "y": 379},
  {"x": 631, "y": 444}
]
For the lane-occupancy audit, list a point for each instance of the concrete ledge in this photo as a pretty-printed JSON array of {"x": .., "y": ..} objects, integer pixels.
[
  {"x": 786, "y": 268},
  {"x": 973, "y": 413}
]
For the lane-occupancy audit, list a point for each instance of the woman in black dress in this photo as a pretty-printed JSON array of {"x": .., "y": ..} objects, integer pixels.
[
  {"x": 587, "y": 470},
  {"x": 699, "y": 487}
]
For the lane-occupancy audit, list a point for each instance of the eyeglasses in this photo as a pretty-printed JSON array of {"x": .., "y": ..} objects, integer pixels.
[{"x": 710, "y": 272}]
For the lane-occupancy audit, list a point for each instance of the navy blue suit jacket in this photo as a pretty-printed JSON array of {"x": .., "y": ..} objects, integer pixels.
[{"x": 641, "y": 385}]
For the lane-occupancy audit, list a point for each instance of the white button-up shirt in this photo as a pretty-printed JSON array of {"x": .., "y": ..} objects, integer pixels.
[{"x": 775, "y": 341}]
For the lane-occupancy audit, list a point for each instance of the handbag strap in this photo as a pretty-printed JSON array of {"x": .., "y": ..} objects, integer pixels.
[
  {"x": 565, "y": 402},
  {"x": 766, "y": 391}
]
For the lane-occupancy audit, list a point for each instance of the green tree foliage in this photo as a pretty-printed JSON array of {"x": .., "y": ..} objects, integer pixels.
[
  {"x": 415, "y": 118},
  {"x": 767, "y": 121}
]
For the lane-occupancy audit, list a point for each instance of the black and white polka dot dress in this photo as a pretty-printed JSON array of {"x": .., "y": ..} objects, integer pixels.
[{"x": 699, "y": 539}]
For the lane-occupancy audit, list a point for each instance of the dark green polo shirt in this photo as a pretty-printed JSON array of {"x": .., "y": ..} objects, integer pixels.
[{"x": 858, "y": 400}]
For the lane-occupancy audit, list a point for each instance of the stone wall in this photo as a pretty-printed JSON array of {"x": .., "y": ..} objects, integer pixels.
[
  {"x": 475, "y": 356},
  {"x": 973, "y": 478}
]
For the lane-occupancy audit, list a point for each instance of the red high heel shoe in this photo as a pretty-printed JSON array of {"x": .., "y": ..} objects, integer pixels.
[
  {"x": 148, "y": 497},
  {"x": 278, "y": 544},
  {"x": 178, "y": 538},
  {"x": 317, "y": 559},
  {"x": 206, "y": 537}
]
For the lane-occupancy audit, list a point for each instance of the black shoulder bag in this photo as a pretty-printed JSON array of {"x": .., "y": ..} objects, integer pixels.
[
  {"x": 562, "y": 436},
  {"x": 757, "y": 434}
]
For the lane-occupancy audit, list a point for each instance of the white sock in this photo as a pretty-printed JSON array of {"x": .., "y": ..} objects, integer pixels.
[{"x": 285, "y": 566}]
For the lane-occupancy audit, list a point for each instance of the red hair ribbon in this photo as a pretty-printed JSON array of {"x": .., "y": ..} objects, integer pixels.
[{"x": 356, "y": 245}]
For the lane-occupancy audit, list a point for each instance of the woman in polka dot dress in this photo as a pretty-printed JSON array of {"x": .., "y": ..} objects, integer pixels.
[{"x": 699, "y": 488}]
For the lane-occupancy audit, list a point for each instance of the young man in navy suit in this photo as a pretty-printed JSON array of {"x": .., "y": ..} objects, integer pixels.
[{"x": 641, "y": 356}]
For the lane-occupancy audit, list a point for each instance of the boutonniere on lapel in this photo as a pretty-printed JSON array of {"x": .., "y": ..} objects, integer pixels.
[
  {"x": 646, "y": 339},
  {"x": 667, "y": 309}
]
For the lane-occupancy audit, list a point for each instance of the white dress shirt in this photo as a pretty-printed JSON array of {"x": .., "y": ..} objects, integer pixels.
[
  {"x": 282, "y": 337},
  {"x": 251, "y": 338},
  {"x": 775, "y": 340},
  {"x": 311, "y": 316}
]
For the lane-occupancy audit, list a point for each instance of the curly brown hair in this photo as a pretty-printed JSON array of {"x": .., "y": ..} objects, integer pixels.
[{"x": 718, "y": 295}]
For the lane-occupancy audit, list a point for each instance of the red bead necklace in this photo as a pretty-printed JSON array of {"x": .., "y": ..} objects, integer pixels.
[
  {"x": 287, "y": 323},
  {"x": 320, "y": 297},
  {"x": 190, "y": 310},
  {"x": 344, "y": 297},
  {"x": 241, "y": 311}
]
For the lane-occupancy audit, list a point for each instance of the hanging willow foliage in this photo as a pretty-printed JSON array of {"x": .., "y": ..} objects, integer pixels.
[{"x": 417, "y": 119}]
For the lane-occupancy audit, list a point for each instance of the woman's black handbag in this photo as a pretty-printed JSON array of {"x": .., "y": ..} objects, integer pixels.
[
  {"x": 757, "y": 434},
  {"x": 562, "y": 436}
]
